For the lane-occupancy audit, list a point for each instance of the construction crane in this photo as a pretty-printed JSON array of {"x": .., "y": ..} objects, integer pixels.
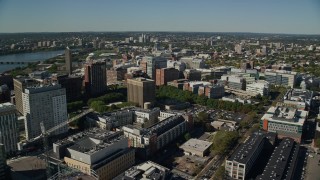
[
  {"x": 46, "y": 148},
  {"x": 45, "y": 133}
]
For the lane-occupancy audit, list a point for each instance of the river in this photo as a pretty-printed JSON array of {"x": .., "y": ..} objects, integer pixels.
[{"x": 26, "y": 57}]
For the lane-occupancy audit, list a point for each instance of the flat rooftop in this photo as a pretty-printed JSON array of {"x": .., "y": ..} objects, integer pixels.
[
  {"x": 196, "y": 145},
  {"x": 244, "y": 152},
  {"x": 282, "y": 161},
  {"x": 285, "y": 114},
  {"x": 29, "y": 166},
  {"x": 6, "y": 107},
  {"x": 149, "y": 169},
  {"x": 298, "y": 95},
  {"x": 92, "y": 140}
]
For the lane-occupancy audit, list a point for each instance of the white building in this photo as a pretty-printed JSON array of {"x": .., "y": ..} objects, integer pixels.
[
  {"x": 47, "y": 104},
  {"x": 9, "y": 132},
  {"x": 280, "y": 77},
  {"x": 259, "y": 87},
  {"x": 147, "y": 117},
  {"x": 239, "y": 164}
]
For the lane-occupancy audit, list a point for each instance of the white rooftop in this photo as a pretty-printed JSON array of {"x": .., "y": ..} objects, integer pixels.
[
  {"x": 285, "y": 114},
  {"x": 196, "y": 145}
]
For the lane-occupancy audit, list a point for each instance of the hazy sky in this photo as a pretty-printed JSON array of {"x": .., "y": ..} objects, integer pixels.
[{"x": 269, "y": 16}]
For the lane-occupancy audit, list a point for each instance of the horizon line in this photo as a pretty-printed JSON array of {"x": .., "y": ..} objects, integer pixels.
[{"x": 164, "y": 31}]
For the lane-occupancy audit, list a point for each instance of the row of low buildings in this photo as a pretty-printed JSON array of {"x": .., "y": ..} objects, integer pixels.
[
  {"x": 281, "y": 164},
  {"x": 107, "y": 154},
  {"x": 141, "y": 117},
  {"x": 149, "y": 140},
  {"x": 287, "y": 119}
]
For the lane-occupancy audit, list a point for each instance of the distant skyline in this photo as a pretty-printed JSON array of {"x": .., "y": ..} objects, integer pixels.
[{"x": 273, "y": 16}]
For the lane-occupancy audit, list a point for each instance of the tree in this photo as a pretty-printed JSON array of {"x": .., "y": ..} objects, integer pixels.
[
  {"x": 220, "y": 173},
  {"x": 202, "y": 116},
  {"x": 74, "y": 106},
  {"x": 98, "y": 106},
  {"x": 224, "y": 141}
]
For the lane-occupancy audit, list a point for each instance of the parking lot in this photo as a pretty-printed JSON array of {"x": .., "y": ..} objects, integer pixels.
[{"x": 313, "y": 167}]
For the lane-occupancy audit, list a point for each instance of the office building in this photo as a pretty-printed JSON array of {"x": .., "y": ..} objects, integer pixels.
[
  {"x": 259, "y": 87},
  {"x": 298, "y": 98},
  {"x": 111, "y": 120},
  {"x": 235, "y": 81},
  {"x": 193, "y": 63},
  {"x": 192, "y": 75},
  {"x": 72, "y": 84},
  {"x": 179, "y": 83},
  {"x": 154, "y": 63},
  {"x": 164, "y": 75},
  {"x": 280, "y": 77},
  {"x": 147, "y": 171},
  {"x": 98, "y": 152},
  {"x": 45, "y": 104},
  {"x": 140, "y": 117},
  {"x": 150, "y": 140},
  {"x": 9, "y": 132},
  {"x": 5, "y": 93},
  {"x": 285, "y": 121},
  {"x": 40, "y": 75},
  {"x": 140, "y": 91},
  {"x": 214, "y": 91},
  {"x": 238, "y": 48},
  {"x": 3, "y": 162},
  {"x": 239, "y": 164},
  {"x": 264, "y": 51},
  {"x": 6, "y": 79},
  {"x": 116, "y": 75},
  {"x": 68, "y": 60},
  {"x": 195, "y": 85},
  {"x": 283, "y": 161},
  {"x": 146, "y": 117},
  {"x": 19, "y": 85},
  {"x": 95, "y": 77},
  {"x": 180, "y": 66}
]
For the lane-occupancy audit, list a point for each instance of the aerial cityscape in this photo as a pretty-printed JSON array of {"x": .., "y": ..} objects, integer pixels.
[{"x": 159, "y": 90}]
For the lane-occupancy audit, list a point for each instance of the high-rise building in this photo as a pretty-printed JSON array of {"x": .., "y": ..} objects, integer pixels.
[
  {"x": 72, "y": 84},
  {"x": 238, "y": 49},
  {"x": 9, "y": 132},
  {"x": 164, "y": 75},
  {"x": 95, "y": 77},
  {"x": 5, "y": 94},
  {"x": 68, "y": 60},
  {"x": 141, "y": 90},
  {"x": 47, "y": 104},
  {"x": 19, "y": 85},
  {"x": 264, "y": 50},
  {"x": 154, "y": 63},
  {"x": 3, "y": 162}
]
